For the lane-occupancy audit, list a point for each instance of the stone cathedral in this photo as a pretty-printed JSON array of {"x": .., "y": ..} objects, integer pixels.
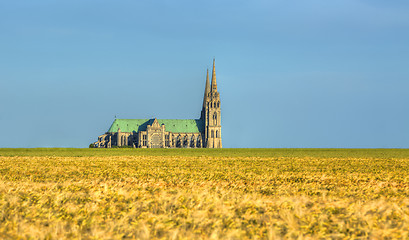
[{"x": 204, "y": 132}]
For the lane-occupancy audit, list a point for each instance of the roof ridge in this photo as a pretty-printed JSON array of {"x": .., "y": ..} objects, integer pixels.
[{"x": 158, "y": 118}]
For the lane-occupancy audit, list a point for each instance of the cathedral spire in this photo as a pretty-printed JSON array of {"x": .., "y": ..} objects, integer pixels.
[
  {"x": 207, "y": 89},
  {"x": 214, "y": 84}
]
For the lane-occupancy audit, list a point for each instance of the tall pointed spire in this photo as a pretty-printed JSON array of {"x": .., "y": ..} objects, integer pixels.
[
  {"x": 214, "y": 84},
  {"x": 207, "y": 89}
]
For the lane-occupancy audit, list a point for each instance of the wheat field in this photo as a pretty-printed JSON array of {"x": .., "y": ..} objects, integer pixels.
[{"x": 204, "y": 194}]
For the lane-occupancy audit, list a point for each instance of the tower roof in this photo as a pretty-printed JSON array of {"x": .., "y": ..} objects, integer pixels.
[
  {"x": 207, "y": 89},
  {"x": 214, "y": 84}
]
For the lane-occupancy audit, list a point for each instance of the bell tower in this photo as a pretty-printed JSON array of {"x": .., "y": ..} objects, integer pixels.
[{"x": 211, "y": 113}]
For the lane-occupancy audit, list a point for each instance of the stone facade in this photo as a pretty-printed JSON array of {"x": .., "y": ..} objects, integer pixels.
[{"x": 204, "y": 132}]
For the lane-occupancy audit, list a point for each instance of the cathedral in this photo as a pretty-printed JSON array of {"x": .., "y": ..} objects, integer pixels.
[{"x": 204, "y": 132}]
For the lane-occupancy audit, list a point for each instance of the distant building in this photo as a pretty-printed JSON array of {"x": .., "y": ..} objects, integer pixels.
[{"x": 204, "y": 132}]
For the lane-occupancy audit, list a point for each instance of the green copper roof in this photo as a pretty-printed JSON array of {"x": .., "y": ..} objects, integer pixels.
[{"x": 171, "y": 125}]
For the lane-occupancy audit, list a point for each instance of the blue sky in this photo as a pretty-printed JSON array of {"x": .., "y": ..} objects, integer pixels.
[{"x": 314, "y": 73}]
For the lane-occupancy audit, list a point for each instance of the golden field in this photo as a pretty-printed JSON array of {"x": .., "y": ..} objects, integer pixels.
[{"x": 204, "y": 194}]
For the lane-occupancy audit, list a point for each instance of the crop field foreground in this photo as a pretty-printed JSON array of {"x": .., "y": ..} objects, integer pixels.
[{"x": 224, "y": 194}]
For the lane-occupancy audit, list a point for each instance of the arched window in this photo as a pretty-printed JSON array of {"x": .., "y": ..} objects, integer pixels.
[
  {"x": 185, "y": 141},
  {"x": 144, "y": 141},
  {"x": 178, "y": 141},
  {"x": 215, "y": 118},
  {"x": 212, "y": 133},
  {"x": 199, "y": 140},
  {"x": 217, "y": 134},
  {"x": 167, "y": 140}
]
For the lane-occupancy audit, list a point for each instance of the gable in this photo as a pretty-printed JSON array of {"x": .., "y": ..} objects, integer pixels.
[{"x": 171, "y": 125}]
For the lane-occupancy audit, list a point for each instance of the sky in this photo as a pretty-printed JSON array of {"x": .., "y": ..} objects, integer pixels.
[{"x": 291, "y": 74}]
